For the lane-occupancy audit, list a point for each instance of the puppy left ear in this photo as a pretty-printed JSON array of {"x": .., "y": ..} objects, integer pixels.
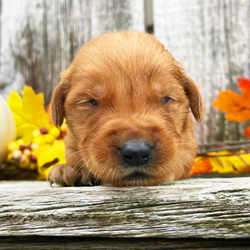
[{"x": 194, "y": 97}]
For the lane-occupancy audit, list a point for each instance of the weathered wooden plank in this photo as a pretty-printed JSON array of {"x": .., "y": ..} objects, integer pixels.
[
  {"x": 200, "y": 208},
  {"x": 58, "y": 243}
]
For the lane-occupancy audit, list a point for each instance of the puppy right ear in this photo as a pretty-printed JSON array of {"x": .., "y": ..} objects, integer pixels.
[{"x": 57, "y": 113}]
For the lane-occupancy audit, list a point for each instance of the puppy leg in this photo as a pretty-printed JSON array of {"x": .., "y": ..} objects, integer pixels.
[{"x": 71, "y": 174}]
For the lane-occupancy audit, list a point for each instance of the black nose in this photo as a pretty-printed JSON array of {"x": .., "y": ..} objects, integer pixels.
[{"x": 136, "y": 153}]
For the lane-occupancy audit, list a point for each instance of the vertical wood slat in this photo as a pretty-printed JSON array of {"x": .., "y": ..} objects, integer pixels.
[
  {"x": 43, "y": 36},
  {"x": 212, "y": 39}
]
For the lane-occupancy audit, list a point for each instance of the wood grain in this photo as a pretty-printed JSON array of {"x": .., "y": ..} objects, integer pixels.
[
  {"x": 40, "y": 38},
  {"x": 200, "y": 208},
  {"x": 211, "y": 38}
]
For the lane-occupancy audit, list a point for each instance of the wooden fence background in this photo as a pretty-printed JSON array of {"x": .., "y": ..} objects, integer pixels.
[{"x": 39, "y": 38}]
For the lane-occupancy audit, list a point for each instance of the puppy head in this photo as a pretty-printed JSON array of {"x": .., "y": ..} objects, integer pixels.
[{"x": 127, "y": 103}]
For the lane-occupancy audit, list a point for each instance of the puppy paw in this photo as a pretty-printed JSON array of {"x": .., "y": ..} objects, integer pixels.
[{"x": 66, "y": 175}]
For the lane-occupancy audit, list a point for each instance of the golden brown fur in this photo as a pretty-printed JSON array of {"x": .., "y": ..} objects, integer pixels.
[{"x": 128, "y": 73}]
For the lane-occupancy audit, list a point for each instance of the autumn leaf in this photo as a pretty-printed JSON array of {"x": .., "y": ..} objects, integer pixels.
[
  {"x": 222, "y": 162},
  {"x": 54, "y": 154},
  {"x": 201, "y": 166},
  {"x": 247, "y": 132},
  {"x": 236, "y": 106},
  {"x": 28, "y": 112},
  {"x": 244, "y": 85}
]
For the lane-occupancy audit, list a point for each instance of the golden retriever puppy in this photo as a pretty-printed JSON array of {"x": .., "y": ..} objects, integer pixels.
[{"x": 128, "y": 104}]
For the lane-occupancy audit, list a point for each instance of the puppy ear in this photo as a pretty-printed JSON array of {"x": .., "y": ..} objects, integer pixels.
[
  {"x": 194, "y": 97},
  {"x": 57, "y": 113}
]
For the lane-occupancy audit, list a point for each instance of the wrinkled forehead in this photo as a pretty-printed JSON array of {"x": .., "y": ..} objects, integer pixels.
[
  {"x": 119, "y": 80},
  {"x": 97, "y": 82},
  {"x": 109, "y": 65}
]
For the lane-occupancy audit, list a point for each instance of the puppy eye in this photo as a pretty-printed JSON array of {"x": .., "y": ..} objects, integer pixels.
[
  {"x": 166, "y": 100},
  {"x": 93, "y": 102}
]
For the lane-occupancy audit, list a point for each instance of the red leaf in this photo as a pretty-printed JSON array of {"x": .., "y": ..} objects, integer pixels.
[{"x": 247, "y": 132}]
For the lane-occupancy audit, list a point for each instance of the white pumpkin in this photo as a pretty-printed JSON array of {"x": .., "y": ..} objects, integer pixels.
[{"x": 7, "y": 128}]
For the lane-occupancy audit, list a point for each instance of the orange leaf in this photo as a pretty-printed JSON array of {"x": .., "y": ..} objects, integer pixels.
[
  {"x": 247, "y": 132},
  {"x": 201, "y": 166},
  {"x": 236, "y": 106},
  {"x": 226, "y": 101},
  {"x": 240, "y": 116}
]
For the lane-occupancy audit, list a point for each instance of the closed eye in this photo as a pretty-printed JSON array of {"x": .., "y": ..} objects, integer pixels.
[
  {"x": 93, "y": 102},
  {"x": 166, "y": 100}
]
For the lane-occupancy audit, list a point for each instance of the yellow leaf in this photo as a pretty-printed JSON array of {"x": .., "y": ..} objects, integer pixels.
[
  {"x": 233, "y": 164},
  {"x": 28, "y": 112},
  {"x": 48, "y": 154}
]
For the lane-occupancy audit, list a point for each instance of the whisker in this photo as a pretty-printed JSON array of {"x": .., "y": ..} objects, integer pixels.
[
  {"x": 90, "y": 183},
  {"x": 77, "y": 163},
  {"x": 89, "y": 171},
  {"x": 79, "y": 151},
  {"x": 186, "y": 164},
  {"x": 81, "y": 166},
  {"x": 86, "y": 174},
  {"x": 195, "y": 145},
  {"x": 178, "y": 169},
  {"x": 187, "y": 155},
  {"x": 100, "y": 173}
]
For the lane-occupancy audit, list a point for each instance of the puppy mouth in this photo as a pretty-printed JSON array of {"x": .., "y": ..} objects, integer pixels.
[{"x": 136, "y": 176}]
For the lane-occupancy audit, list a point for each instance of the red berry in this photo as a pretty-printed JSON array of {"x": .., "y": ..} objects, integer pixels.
[
  {"x": 33, "y": 158},
  {"x": 63, "y": 134},
  {"x": 43, "y": 130},
  {"x": 22, "y": 147}
]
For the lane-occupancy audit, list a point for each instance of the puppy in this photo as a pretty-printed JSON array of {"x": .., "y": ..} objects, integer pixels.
[{"x": 128, "y": 104}]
